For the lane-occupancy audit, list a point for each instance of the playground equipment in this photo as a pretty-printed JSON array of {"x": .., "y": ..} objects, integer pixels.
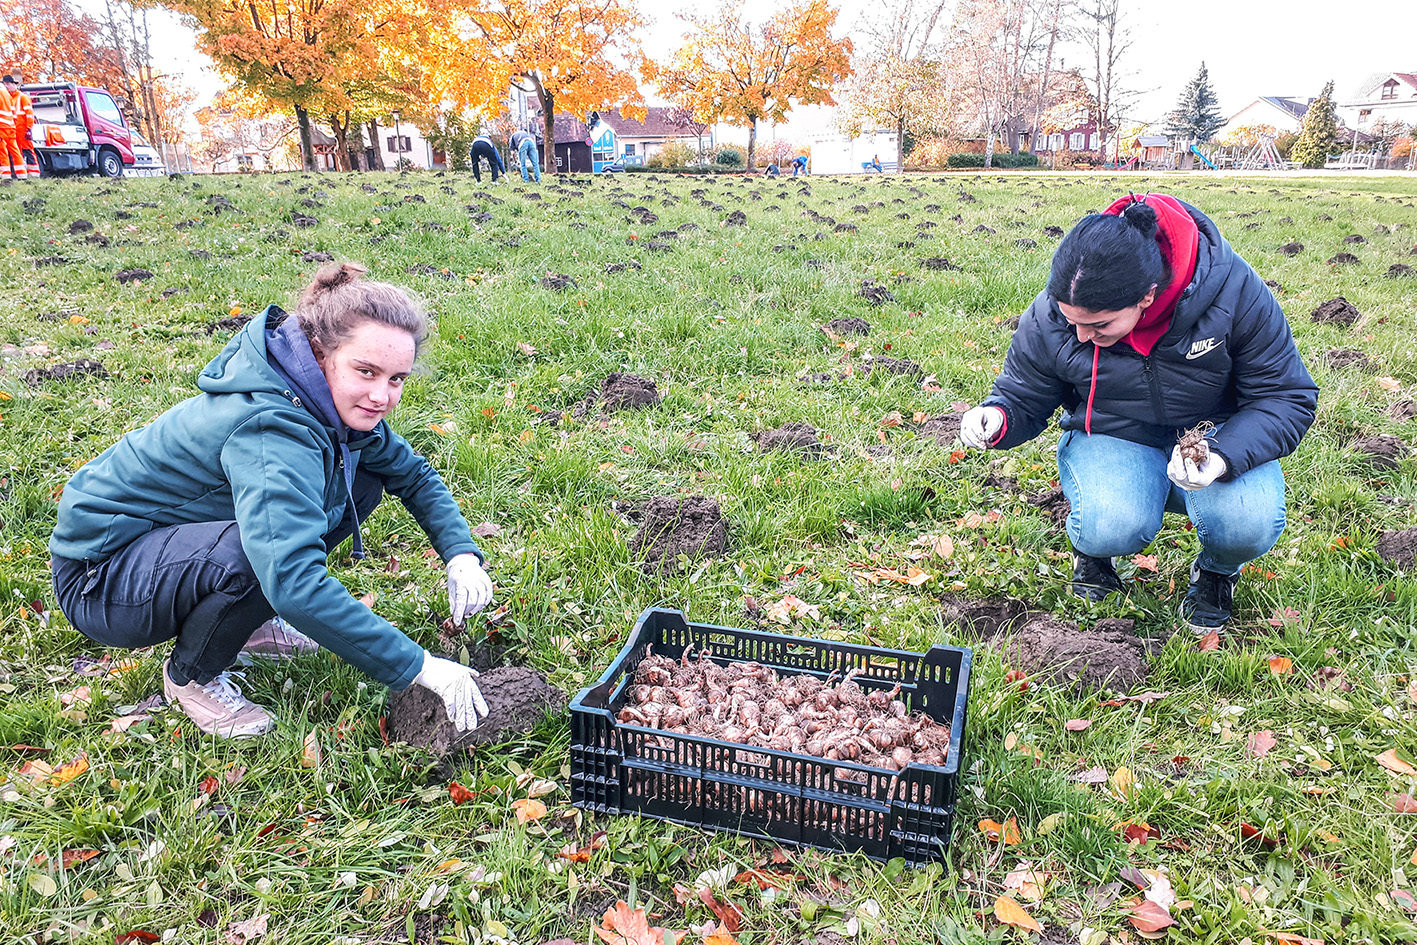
[
  {"x": 1262, "y": 157},
  {"x": 1197, "y": 152}
]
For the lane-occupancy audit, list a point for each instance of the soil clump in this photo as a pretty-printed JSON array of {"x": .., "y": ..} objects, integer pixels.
[
  {"x": 126, "y": 276},
  {"x": 1291, "y": 249},
  {"x": 849, "y": 326},
  {"x": 1399, "y": 270},
  {"x": 620, "y": 392},
  {"x": 1340, "y": 358},
  {"x": 875, "y": 294},
  {"x": 900, "y": 366},
  {"x": 1056, "y": 651},
  {"x": 1342, "y": 259},
  {"x": 988, "y": 618},
  {"x": 557, "y": 282},
  {"x": 83, "y": 367},
  {"x": 1399, "y": 547},
  {"x": 518, "y": 699},
  {"x": 1383, "y": 451},
  {"x": 1403, "y": 410},
  {"x": 1337, "y": 311},
  {"x": 234, "y": 323},
  {"x": 943, "y": 429},
  {"x": 801, "y": 437},
  {"x": 691, "y": 526},
  {"x": 937, "y": 263},
  {"x": 1053, "y": 504}
]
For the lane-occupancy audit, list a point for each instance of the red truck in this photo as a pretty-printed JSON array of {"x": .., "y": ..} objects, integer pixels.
[{"x": 79, "y": 130}]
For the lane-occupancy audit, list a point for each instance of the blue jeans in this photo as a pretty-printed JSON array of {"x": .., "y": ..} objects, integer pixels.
[
  {"x": 1118, "y": 491},
  {"x": 190, "y": 583},
  {"x": 480, "y": 150},
  {"x": 526, "y": 157}
]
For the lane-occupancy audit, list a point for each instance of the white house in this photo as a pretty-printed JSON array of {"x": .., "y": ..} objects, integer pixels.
[
  {"x": 1283, "y": 113},
  {"x": 401, "y": 140},
  {"x": 1383, "y": 96}
]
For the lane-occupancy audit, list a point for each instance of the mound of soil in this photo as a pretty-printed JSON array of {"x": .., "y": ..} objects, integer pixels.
[
  {"x": 736, "y": 218},
  {"x": 1399, "y": 547},
  {"x": 317, "y": 257},
  {"x": 612, "y": 268},
  {"x": 987, "y": 618},
  {"x": 1398, "y": 270},
  {"x": 557, "y": 282},
  {"x": 1057, "y": 652},
  {"x": 1053, "y": 504},
  {"x": 944, "y": 429},
  {"x": 875, "y": 294},
  {"x": 126, "y": 276},
  {"x": 986, "y": 230},
  {"x": 620, "y": 392},
  {"x": 1337, "y": 311},
  {"x": 518, "y": 698},
  {"x": 1355, "y": 238},
  {"x": 1274, "y": 286},
  {"x": 1291, "y": 249},
  {"x": 1403, "y": 410},
  {"x": 43, "y": 261},
  {"x": 235, "y": 323},
  {"x": 1053, "y": 232},
  {"x": 1382, "y": 451},
  {"x": 80, "y": 226},
  {"x": 1342, "y": 259},
  {"x": 692, "y": 526},
  {"x": 849, "y": 326},
  {"x": 83, "y": 367},
  {"x": 1026, "y": 243},
  {"x": 937, "y": 263},
  {"x": 896, "y": 366},
  {"x": 789, "y": 436},
  {"x": 1340, "y": 358},
  {"x": 301, "y": 220}
]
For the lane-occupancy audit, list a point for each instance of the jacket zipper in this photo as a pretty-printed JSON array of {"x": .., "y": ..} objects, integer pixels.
[{"x": 1151, "y": 386}]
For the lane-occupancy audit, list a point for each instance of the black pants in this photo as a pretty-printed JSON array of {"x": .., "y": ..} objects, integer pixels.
[
  {"x": 480, "y": 150},
  {"x": 188, "y": 583}
]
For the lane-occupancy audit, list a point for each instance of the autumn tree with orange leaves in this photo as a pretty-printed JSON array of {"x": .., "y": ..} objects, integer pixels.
[
  {"x": 570, "y": 55},
  {"x": 52, "y": 41},
  {"x": 732, "y": 70}
]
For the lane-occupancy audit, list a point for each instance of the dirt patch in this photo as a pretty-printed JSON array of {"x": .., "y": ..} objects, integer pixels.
[
  {"x": 1337, "y": 311},
  {"x": 44, "y": 261},
  {"x": 235, "y": 323},
  {"x": 1053, "y": 504},
  {"x": 80, "y": 226},
  {"x": 518, "y": 698},
  {"x": 849, "y": 326},
  {"x": 1342, "y": 259},
  {"x": 875, "y": 294},
  {"x": 937, "y": 263},
  {"x": 1399, "y": 547},
  {"x": 83, "y": 367},
  {"x": 621, "y": 392},
  {"x": 943, "y": 429},
  {"x": 317, "y": 257},
  {"x": 1383, "y": 451},
  {"x": 801, "y": 437},
  {"x": 301, "y": 220},
  {"x": 557, "y": 282},
  {"x": 1340, "y": 358},
  {"x": 1053, "y": 232},
  {"x": 987, "y": 618},
  {"x": 1355, "y": 239},
  {"x": 126, "y": 276},
  {"x": 900, "y": 366},
  {"x": 1057, "y": 652},
  {"x": 1291, "y": 249},
  {"x": 1402, "y": 410},
  {"x": 986, "y": 230},
  {"x": 1399, "y": 270},
  {"x": 1026, "y": 243},
  {"x": 612, "y": 268},
  {"x": 691, "y": 526},
  {"x": 736, "y": 218}
]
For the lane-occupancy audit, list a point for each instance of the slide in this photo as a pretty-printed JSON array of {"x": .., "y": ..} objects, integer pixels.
[{"x": 1197, "y": 152}]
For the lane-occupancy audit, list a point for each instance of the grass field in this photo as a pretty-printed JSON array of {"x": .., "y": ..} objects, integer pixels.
[{"x": 196, "y": 840}]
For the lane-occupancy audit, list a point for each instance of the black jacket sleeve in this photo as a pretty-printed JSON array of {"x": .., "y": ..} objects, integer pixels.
[{"x": 1028, "y": 389}]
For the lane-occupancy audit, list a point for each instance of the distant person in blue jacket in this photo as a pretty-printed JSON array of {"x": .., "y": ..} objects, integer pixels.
[
  {"x": 1151, "y": 325},
  {"x": 482, "y": 147},
  {"x": 213, "y": 522},
  {"x": 799, "y": 165},
  {"x": 523, "y": 143}
]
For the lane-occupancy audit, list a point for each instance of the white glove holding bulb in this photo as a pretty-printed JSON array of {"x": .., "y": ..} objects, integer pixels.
[
  {"x": 454, "y": 684},
  {"x": 1189, "y": 476},
  {"x": 469, "y": 587},
  {"x": 979, "y": 426}
]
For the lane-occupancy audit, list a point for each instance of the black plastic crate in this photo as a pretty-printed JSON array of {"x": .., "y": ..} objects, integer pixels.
[{"x": 758, "y": 792}]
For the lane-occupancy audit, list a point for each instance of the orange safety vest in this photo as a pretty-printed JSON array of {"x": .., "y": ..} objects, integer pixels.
[
  {"x": 7, "y": 113},
  {"x": 24, "y": 114}
]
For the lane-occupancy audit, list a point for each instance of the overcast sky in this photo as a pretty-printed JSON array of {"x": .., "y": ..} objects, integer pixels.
[{"x": 1251, "y": 47}]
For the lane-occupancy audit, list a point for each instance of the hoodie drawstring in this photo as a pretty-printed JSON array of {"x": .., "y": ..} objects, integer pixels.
[
  {"x": 1091, "y": 391},
  {"x": 357, "y": 552}
]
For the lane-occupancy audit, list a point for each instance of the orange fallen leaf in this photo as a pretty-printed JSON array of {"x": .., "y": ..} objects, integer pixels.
[
  {"x": 1211, "y": 641},
  {"x": 1251, "y": 832},
  {"x": 1390, "y": 761},
  {"x": 1260, "y": 743},
  {"x": 1007, "y": 831},
  {"x": 71, "y": 857},
  {"x": 459, "y": 794},
  {"x": 310, "y": 753},
  {"x": 575, "y": 854},
  {"x": 625, "y": 926},
  {"x": 528, "y": 809},
  {"x": 720, "y": 937},
  {"x": 1008, "y": 911},
  {"x": 1389, "y": 383},
  {"x": 68, "y": 772},
  {"x": 1145, "y": 562},
  {"x": 730, "y": 917},
  {"x": 1402, "y": 803},
  {"x": 1289, "y": 938},
  {"x": 1077, "y": 725},
  {"x": 1148, "y": 916},
  {"x": 1280, "y": 665}
]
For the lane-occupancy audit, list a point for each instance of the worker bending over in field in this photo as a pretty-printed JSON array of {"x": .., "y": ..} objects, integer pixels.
[
  {"x": 220, "y": 514},
  {"x": 1150, "y": 327}
]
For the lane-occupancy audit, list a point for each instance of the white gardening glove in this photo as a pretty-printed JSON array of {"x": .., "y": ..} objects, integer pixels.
[
  {"x": 469, "y": 587},
  {"x": 454, "y": 684},
  {"x": 1191, "y": 477},
  {"x": 979, "y": 426}
]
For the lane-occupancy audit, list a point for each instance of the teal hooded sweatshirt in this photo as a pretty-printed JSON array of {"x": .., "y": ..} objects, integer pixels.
[{"x": 248, "y": 449}]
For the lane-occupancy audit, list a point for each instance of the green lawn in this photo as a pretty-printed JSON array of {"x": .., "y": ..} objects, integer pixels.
[{"x": 368, "y": 846}]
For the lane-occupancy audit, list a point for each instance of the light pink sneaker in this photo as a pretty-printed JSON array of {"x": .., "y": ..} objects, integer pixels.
[
  {"x": 275, "y": 640},
  {"x": 218, "y": 707}
]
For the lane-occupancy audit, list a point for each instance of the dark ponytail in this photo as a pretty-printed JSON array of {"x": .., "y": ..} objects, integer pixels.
[{"x": 1108, "y": 262}]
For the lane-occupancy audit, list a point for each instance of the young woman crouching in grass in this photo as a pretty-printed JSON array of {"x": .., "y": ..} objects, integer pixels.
[
  {"x": 207, "y": 523},
  {"x": 1152, "y": 326}
]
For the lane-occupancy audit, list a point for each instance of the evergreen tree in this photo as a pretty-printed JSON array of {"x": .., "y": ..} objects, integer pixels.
[
  {"x": 1318, "y": 133},
  {"x": 1197, "y": 114}
]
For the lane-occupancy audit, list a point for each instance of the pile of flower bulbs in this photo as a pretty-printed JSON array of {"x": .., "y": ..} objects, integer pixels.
[{"x": 750, "y": 704}]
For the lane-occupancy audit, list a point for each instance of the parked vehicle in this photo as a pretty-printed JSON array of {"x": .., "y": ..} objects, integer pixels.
[
  {"x": 147, "y": 161},
  {"x": 79, "y": 130}
]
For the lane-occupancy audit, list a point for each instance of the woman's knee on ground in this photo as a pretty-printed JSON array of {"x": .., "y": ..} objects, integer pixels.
[{"x": 1107, "y": 532}]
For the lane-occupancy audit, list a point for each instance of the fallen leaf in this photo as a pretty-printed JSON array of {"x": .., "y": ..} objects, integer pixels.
[
  {"x": 1404, "y": 899},
  {"x": 1122, "y": 782},
  {"x": 1389, "y": 383},
  {"x": 486, "y": 530},
  {"x": 1211, "y": 641},
  {"x": 1390, "y": 761},
  {"x": 135, "y": 936},
  {"x": 459, "y": 794},
  {"x": 1008, "y": 911},
  {"x": 1251, "y": 832},
  {"x": 1260, "y": 743},
  {"x": 720, "y": 936},
  {"x": 730, "y": 917},
  {"x": 528, "y": 809},
  {"x": 1288, "y": 938},
  {"x": 570, "y": 851},
  {"x": 1145, "y": 562},
  {"x": 1077, "y": 725},
  {"x": 72, "y": 857},
  {"x": 1007, "y": 831},
  {"x": 242, "y": 932},
  {"x": 68, "y": 772},
  {"x": 1402, "y": 803},
  {"x": 1142, "y": 832},
  {"x": 310, "y": 754},
  {"x": 1284, "y": 615},
  {"x": 1147, "y": 916},
  {"x": 625, "y": 926},
  {"x": 1280, "y": 665},
  {"x": 1027, "y": 882},
  {"x": 525, "y": 348}
]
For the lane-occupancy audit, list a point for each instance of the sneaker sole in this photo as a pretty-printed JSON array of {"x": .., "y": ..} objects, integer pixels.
[{"x": 250, "y": 659}]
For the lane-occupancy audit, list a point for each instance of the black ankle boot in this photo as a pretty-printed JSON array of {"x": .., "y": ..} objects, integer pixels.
[
  {"x": 1094, "y": 578},
  {"x": 1209, "y": 600}
]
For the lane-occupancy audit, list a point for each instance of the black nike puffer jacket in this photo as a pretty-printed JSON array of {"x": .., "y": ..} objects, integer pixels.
[{"x": 1228, "y": 357}]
